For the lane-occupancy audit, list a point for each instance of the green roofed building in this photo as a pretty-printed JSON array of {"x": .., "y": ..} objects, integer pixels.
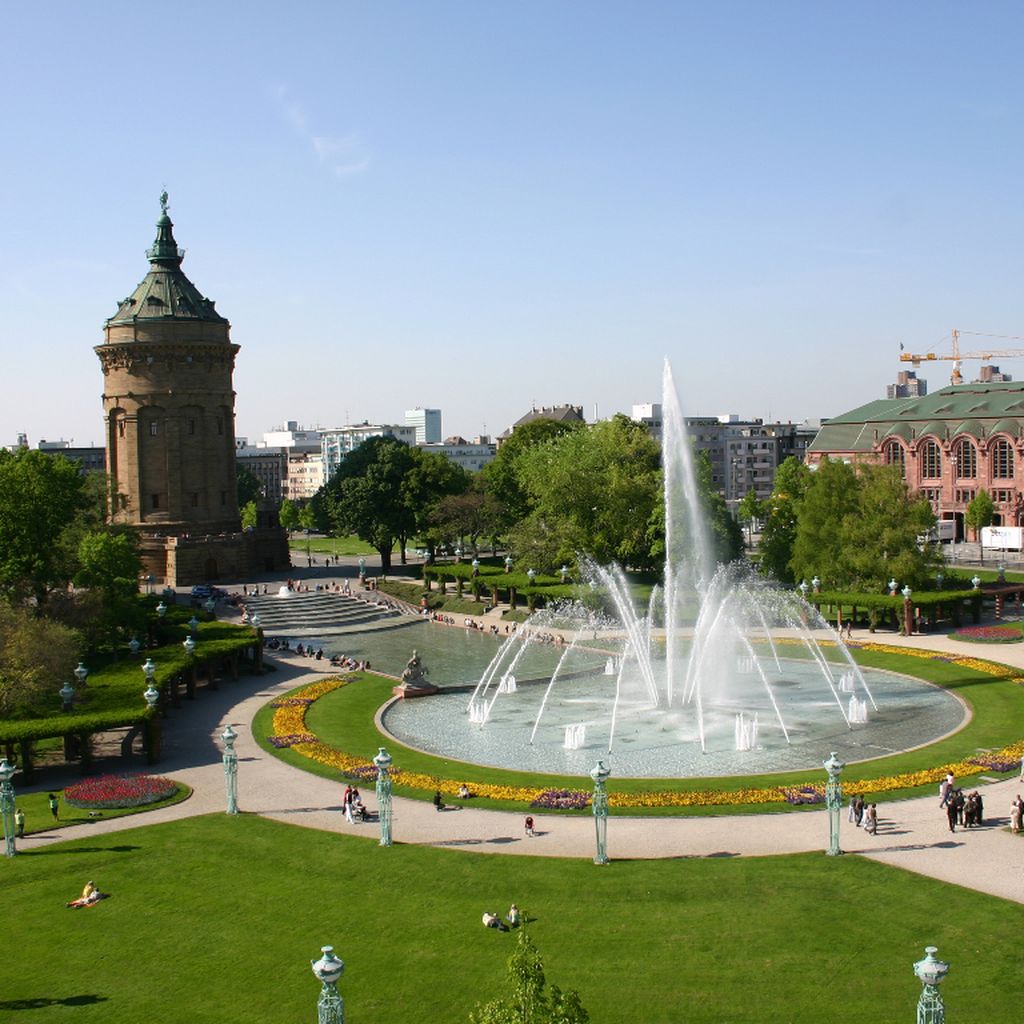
[{"x": 949, "y": 445}]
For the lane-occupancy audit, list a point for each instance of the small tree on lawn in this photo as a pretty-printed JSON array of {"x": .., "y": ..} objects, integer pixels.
[
  {"x": 526, "y": 1001},
  {"x": 980, "y": 513}
]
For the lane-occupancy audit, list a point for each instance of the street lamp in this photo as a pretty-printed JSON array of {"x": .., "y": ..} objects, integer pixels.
[
  {"x": 458, "y": 554},
  {"x": 134, "y": 645},
  {"x": 209, "y": 605},
  {"x": 193, "y": 624},
  {"x": 531, "y": 575},
  {"x": 7, "y": 805},
  {"x": 383, "y": 762},
  {"x": 976, "y": 582},
  {"x": 230, "y": 768},
  {"x": 151, "y": 693},
  {"x": 476, "y": 566},
  {"x": 600, "y": 806},
  {"x": 67, "y": 693},
  {"x": 907, "y": 593},
  {"x": 833, "y": 801},
  {"x": 892, "y": 587},
  {"x": 564, "y": 573},
  {"x": 330, "y": 1008},
  {"x": 190, "y": 646},
  {"x": 816, "y": 584},
  {"x": 256, "y": 622},
  {"x": 80, "y": 673},
  {"x": 161, "y": 609},
  {"x": 508, "y": 563},
  {"x": 939, "y": 580},
  {"x": 362, "y": 568},
  {"x": 803, "y": 589},
  {"x": 930, "y": 971}
]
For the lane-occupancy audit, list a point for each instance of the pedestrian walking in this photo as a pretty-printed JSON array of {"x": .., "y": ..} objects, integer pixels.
[
  {"x": 529, "y": 825},
  {"x": 871, "y": 820},
  {"x": 54, "y": 805},
  {"x": 19, "y": 822}
]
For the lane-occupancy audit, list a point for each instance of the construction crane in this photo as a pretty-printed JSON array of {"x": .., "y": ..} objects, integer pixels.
[{"x": 917, "y": 358}]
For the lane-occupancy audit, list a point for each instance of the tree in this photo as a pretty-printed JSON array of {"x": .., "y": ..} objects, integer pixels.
[
  {"x": 750, "y": 510},
  {"x": 467, "y": 517},
  {"x": 818, "y": 547},
  {"x": 109, "y": 561},
  {"x": 529, "y": 1000},
  {"x": 594, "y": 491},
  {"x": 250, "y": 515},
  {"x": 778, "y": 534},
  {"x": 288, "y": 515},
  {"x": 36, "y": 654},
  {"x": 979, "y": 514},
  {"x": 40, "y": 495},
  {"x": 430, "y": 479},
  {"x": 248, "y": 485},
  {"x": 365, "y": 496}
]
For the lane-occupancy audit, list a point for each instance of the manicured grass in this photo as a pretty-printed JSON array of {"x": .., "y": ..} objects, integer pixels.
[
  {"x": 38, "y": 818},
  {"x": 332, "y": 546},
  {"x": 344, "y": 719},
  {"x": 214, "y": 920}
]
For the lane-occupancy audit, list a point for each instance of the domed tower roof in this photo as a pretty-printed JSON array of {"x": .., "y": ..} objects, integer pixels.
[{"x": 165, "y": 293}]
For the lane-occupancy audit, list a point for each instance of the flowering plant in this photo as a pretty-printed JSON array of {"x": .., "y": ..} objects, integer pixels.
[
  {"x": 562, "y": 800},
  {"x": 990, "y": 634},
  {"x": 111, "y": 791}
]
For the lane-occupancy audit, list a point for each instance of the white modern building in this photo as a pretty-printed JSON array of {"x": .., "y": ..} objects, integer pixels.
[
  {"x": 427, "y": 423},
  {"x": 337, "y": 442},
  {"x": 470, "y": 455}
]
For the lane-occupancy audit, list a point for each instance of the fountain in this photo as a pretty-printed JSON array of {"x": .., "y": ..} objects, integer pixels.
[{"x": 722, "y": 671}]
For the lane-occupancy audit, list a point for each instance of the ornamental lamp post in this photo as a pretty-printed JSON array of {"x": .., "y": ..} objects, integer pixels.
[
  {"x": 976, "y": 582},
  {"x": 362, "y": 568},
  {"x": 230, "y": 768},
  {"x": 564, "y": 573},
  {"x": 600, "y": 806},
  {"x": 892, "y": 587},
  {"x": 7, "y": 805},
  {"x": 508, "y": 563},
  {"x": 67, "y": 694},
  {"x": 833, "y": 801},
  {"x": 531, "y": 575},
  {"x": 383, "y": 762},
  {"x": 907, "y": 593},
  {"x": 209, "y": 605},
  {"x": 330, "y": 1008},
  {"x": 458, "y": 555},
  {"x": 256, "y": 622},
  {"x": 816, "y": 584},
  {"x": 190, "y": 646},
  {"x": 161, "y": 609},
  {"x": 476, "y": 566},
  {"x": 930, "y": 971},
  {"x": 133, "y": 646},
  {"x": 803, "y": 589},
  {"x": 80, "y": 673},
  {"x": 1001, "y": 570},
  {"x": 193, "y": 624},
  {"x": 939, "y": 580},
  {"x": 151, "y": 693}
]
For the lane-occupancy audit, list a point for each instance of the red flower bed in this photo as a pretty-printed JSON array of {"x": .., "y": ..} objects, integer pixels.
[
  {"x": 111, "y": 791},
  {"x": 989, "y": 634}
]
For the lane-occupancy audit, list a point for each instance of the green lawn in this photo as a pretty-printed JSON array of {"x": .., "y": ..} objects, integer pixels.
[
  {"x": 332, "y": 545},
  {"x": 344, "y": 719},
  {"x": 38, "y": 818},
  {"x": 214, "y": 920}
]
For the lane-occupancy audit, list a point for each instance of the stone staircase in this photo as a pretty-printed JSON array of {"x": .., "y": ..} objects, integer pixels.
[{"x": 324, "y": 613}]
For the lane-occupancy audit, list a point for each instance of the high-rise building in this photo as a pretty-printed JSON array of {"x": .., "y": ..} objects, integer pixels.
[
  {"x": 168, "y": 406},
  {"x": 427, "y": 423},
  {"x": 907, "y": 385}
]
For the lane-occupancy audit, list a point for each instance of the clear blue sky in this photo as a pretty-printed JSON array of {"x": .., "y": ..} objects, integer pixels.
[{"x": 476, "y": 206}]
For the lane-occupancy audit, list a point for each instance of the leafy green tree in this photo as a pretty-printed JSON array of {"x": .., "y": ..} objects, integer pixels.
[
  {"x": 750, "y": 510},
  {"x": 366, "y": 495},
  {"x": 879, "y": 537},
  {"x": 307, "y": 517},
  {"x": 248, "y": 485},
  {"x": 529, "y": 999},
  {"x": 288, "y": 515},
  {"x": 250, "y": 515},
  {"x": 979, "y": 513},
  {"x": 109, "y": 561},
  {"x": 594, "y": 491},
  {"x": 831, "y": 496},
  {"x": 501, "y": 477},
  {"x": 430, "y": 479},
  {"x": 778, "y": 534},
  {"x": 40, "y": 495},
  {"x": 467, "y": 517},
  {"x": 36, "y": 656}
]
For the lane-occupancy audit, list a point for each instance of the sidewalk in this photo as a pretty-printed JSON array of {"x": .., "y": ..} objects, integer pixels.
[{"x": 912, "y": 834}]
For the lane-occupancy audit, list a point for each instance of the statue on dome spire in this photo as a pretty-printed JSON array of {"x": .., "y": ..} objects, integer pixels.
[{"x": 163, "y": 201}]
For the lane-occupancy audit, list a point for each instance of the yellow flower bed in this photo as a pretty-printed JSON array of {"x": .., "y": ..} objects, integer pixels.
[{"x": 291, "y": 721}]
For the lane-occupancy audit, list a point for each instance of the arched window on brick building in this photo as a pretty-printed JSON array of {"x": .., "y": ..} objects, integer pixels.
[
  {"x": 965, "y": 459},
  {"x": 896, "y": 456},
  {"x": 1002, "y": 459},
  {"x": 931, "y": 461}
]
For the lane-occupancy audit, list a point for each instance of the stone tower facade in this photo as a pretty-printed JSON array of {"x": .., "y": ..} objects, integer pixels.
[{"x": 168, "y": 406}]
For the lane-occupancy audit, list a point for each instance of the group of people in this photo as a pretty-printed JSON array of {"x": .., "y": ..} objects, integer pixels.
[
  {"x": 864, "y": 815},
  {"x": 967, "y": 811},
  {"x": 511, "y": 920},
  {"x": 353, "y": 806},
  {"x": 90, "y": 895}
]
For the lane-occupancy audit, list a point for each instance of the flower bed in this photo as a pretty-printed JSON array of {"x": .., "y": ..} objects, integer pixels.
[
  {"x": 989, "y": 634},
  {"x": 289, "y": 730},
  {"x": 113, "y": 791}
]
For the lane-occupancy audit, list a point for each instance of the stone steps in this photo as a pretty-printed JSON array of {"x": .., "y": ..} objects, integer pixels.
[{"x": 323, "y": 613}]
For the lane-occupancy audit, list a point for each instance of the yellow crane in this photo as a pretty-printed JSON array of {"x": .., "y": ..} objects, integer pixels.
[{"x": 917, "y": 358}]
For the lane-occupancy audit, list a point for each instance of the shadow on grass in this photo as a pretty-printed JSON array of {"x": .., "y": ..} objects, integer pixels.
[
  {"x": 41, "y": 1002},
  {"x": 78, "y": 849}
]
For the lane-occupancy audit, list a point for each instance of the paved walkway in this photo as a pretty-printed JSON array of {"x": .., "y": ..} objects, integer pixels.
[{"x": 912, "y": 834}]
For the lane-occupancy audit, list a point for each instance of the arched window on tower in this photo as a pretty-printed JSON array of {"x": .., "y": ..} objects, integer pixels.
[
  {"x": 896, "y": 456},
  {"x": 1002, "y": 459},
  {"x": 931, "y": 461},
  {"x": 965, "y": 458}
]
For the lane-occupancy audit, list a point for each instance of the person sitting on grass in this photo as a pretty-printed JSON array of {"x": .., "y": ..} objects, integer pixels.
[
  {"x": 513, "y": 917},
  {"x": 90, "y": 896},
  {"x": 491, "y": 920},
  {"x": 464, "y": 793}
]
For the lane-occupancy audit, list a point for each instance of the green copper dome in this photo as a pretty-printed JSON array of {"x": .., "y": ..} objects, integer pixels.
[{"x": 165, "y": 292}]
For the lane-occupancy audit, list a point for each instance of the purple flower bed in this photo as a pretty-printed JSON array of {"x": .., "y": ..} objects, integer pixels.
[
  {"x": 364, "y": 773},
  {"x": 562, "y": 800},
  {"x": 994, "y": 764},
  {"x": 804, "y": 795},
  {"x": 291, "y": 739},
  {"x": 113, "y": 791}
]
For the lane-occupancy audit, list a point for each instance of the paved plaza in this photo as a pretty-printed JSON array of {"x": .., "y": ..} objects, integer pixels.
[{"x": 912, "y": 834}]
